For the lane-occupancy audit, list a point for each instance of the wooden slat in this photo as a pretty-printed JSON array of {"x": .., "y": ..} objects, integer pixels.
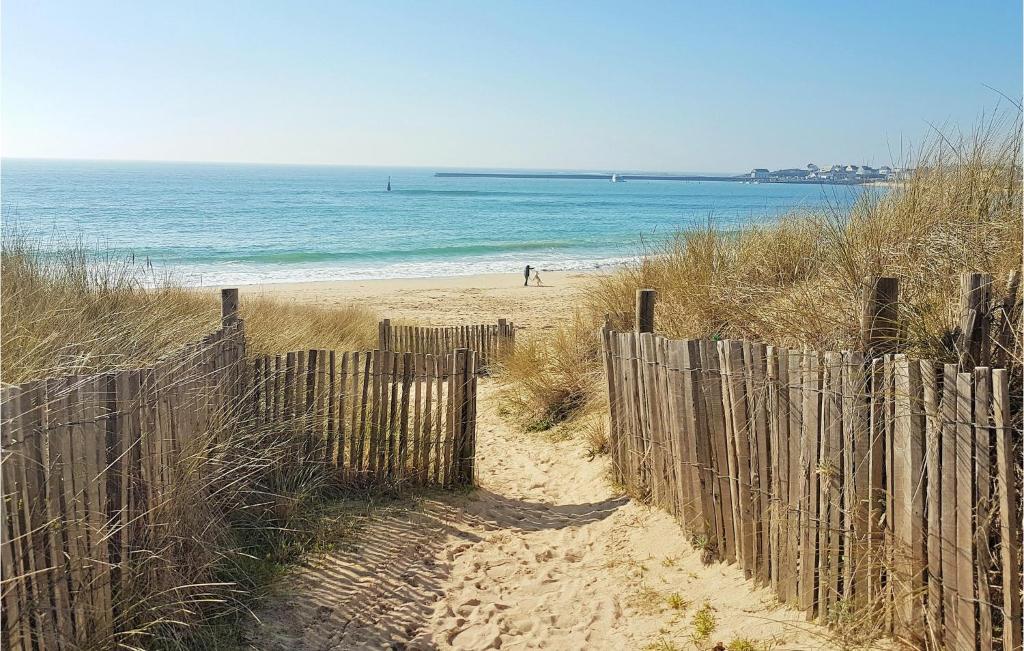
[
  {"x": 779, "y": 463},
  {"x": 966, "y": 621},
  {"x": 740, "y": 504},
  {"x": 32, "y": 423},
  {"x": 933, "y": 495},
  {"x": 426, "y": 433},
  {"x": 612, "y": 388},
  {"x": 332, "y": 444},
  {"x": 983, "y": 500},
  {"x": 856, "y": 424},
  {"x": 757, "y": 405},
  {"x": 797, "y": 471},
  {"x": 439, "y": 420},
  {"x": 16, "y": 590},
  {"x": 779, "y": 432},
  {"x": 707, "y": 481},
  {"x": 449, "y": 429},
  {"x": 889, "y": 412},
  {"x": 417, "y": 419},
  {"x": 741, "y": 426},
  {"x": 669, "y": 425},
  {"x": 279, "y": 388},
  {"x": 360, "y": 450},
  {"x": 403, "y": 462},
  {"x": 908, "y": 498},
  {"x": 1009, "y": 512},
  {"x": 809, "y": 464},
  {"x": 394, "y": 387},
  {"x": 948, "y": 502},
  {"x": 56, "y": 515},
  {"x": 375, "y": 409},
  {"x": 829, "y": 473},
  {"x": 289, "y": 386},
  {"x": 343, "y": 400},
  {"x": 714, "y": 404}
]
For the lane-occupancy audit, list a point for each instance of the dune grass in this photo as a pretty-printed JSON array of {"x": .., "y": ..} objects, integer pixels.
[
  {"x": 74, "y": 310},
  {"x": 800, "y": 281}
]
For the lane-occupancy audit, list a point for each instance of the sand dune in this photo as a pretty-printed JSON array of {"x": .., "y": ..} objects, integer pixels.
[{"x": 544, "y": 555}]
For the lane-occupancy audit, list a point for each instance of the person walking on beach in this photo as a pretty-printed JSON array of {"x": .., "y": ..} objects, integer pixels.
[{"x": 526, "y": 276}]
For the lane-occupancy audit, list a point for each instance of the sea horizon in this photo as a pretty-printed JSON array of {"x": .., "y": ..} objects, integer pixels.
[
  {"x": 258, "y": 223},
  {"x": 432, "y": 168}
]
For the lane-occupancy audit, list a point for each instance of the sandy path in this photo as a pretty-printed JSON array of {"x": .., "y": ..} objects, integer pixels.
[{"x": 543, "y": 555}]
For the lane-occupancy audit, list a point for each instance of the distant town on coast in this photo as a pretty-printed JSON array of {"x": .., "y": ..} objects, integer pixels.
[{"x": 835, "y": 174}]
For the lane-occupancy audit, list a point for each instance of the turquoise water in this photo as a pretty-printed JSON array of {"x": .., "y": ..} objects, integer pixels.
[{"x": 241, "y": 224}]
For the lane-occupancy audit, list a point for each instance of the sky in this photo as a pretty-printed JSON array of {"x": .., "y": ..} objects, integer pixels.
[{"x": 659, "y": 86}]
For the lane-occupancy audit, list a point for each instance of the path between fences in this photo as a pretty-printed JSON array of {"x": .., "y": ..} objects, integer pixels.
[{"x": 544, "y": 554}]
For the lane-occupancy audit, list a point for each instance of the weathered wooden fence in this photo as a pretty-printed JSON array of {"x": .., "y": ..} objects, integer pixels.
[
  {"x": 379, "y": 414},
  {"x": 489, "y": 341},
  {"x": 888, "y": 486},
  {"x": 89, "y": 465},
  {"x": 100, "y": 471}
]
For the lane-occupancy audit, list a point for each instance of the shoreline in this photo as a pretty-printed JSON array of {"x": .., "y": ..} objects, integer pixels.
[{"x": 445, "y": 300}]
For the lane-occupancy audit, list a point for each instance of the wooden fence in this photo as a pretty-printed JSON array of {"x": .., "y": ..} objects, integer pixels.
[
  {"x": 89, "y": 465},
  {"x": 887, "y": 486},
  {"x": 101, "y": 473},
  {"x": 489, "y": 341},
  {"x": 380, "y": 415}
]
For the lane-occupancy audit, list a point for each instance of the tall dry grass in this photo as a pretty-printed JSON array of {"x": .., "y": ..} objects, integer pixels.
[
  {"x": 71, "y": 309},
  {"x": 800, "y": 281},
  {"x": 239, "y": 509},
  {"x": 544, "y": 381}
]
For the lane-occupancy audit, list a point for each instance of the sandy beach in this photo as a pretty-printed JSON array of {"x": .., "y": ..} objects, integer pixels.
[{"x": 448, "y": 300}]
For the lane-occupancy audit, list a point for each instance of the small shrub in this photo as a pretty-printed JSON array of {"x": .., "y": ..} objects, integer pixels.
[
  {"x": 704, "y": 623},
  {"x": 676, "y": 601}
]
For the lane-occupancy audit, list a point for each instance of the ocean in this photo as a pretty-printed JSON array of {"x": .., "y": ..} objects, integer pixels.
[{"x": 217, "y": 224}]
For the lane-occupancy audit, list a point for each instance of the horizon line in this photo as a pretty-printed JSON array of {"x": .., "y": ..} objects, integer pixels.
[{"x": 373, "y": 166}]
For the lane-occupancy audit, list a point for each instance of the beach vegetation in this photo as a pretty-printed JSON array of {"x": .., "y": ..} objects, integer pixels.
[
  {"x": 544, "y": 382},
  {"x": 72, "y": 309},
  {"x": 704, "y": 623}
]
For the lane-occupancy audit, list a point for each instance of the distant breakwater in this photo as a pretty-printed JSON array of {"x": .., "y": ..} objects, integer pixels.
[
  {"x": 641, "y": 177},
  {"x": 595, "y": 177}
]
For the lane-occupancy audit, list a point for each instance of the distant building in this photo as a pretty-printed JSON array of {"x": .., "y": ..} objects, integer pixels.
[
  {"x": 790, "y": 173},
  {"x": 867, "y": 171},
  {"x": 885, "y": 170},
  {"x": 759, "y": 173},
  {"x": 851, "y": 168}
]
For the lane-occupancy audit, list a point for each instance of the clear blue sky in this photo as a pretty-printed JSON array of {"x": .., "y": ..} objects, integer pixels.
[{"x": 711, "y": 86}]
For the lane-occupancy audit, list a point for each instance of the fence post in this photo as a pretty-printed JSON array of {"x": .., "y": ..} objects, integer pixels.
[
  {"x": 384, "y": 335},
  {"x": 645, "y": 310},
  {"x": 975, "y": 290},
  {"x": 228, "y": 306},
  {"x": 879, "y": 324}
]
